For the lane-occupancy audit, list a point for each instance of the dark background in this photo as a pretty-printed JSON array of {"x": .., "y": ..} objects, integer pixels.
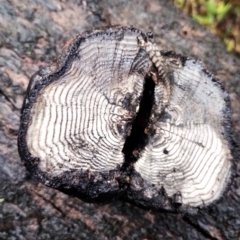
[{"x": 32, "y": 34}]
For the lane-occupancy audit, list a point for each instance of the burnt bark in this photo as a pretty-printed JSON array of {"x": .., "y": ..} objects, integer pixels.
[{"x": 32, "y": 34}]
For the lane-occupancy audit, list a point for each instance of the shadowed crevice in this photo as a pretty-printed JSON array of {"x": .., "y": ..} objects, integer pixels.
[{"x": 138, "y": 138}]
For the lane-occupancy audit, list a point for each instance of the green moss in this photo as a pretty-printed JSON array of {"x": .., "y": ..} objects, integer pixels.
[{"x": 220, "y": 16}]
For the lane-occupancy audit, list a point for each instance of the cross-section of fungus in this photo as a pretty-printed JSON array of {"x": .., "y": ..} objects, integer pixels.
[{"x": 117, "y": 117}]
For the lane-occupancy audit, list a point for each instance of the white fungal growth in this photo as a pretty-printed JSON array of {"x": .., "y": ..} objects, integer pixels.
[{"x": 117, "y": 115}]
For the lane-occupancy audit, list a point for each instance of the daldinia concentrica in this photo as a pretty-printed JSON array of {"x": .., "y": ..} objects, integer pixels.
[{"x": 117, "y": 117}]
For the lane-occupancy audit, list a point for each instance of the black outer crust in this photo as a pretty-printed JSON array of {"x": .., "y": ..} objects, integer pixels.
[
  {"x": 105, "y": 186},
  {"x": 88, "y": 186}
]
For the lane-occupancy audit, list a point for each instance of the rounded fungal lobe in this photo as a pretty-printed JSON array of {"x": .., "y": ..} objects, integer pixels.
[{"x": 118, "y": 117}]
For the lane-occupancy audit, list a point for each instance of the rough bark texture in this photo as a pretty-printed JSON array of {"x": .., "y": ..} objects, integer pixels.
[{"x": 32, "y": 34}]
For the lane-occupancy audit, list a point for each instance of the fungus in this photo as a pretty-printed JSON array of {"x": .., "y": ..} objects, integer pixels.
[{"x": 117, "y": 117}]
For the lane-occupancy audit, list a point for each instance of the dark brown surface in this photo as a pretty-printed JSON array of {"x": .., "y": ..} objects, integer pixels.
[{"x": 32, "y": 34}]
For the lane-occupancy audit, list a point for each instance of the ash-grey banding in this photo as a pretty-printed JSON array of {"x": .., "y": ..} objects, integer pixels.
[
  {"x": 188, "y": 153},
  {"x": 76, "y": 120}
]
